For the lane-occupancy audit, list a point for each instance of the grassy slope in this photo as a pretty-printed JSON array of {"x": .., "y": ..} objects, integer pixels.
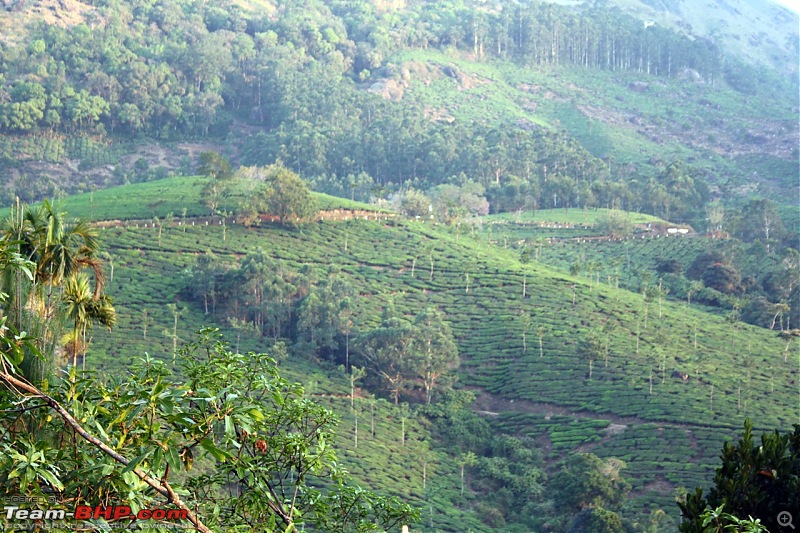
[
  {"x": 543, "y": 224},
  {"x": 568, "y": 216},
  {"x": 670, "y": 438},
  {"x": 722, "y": 132},
  {"x": 167, "y": 197}
]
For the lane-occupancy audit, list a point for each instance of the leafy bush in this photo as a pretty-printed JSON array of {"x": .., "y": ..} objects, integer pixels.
[
  {"x": 261, "y": 447},
  {"x": 757, "y": 480}
]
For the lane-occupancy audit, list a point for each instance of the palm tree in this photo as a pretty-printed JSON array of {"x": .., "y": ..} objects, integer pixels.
[
  {"x": 59, "y": 249},
  {"x": 58, "y": 246},
  {"x": 67, "y": 247},
  {"x": 84, "y": 307}
]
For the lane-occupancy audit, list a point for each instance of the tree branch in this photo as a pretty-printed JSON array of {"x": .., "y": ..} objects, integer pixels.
[{"x": 162, "y": 487}]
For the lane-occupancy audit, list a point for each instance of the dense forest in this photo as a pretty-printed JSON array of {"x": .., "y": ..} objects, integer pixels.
[{"x": 292, "y": 82}]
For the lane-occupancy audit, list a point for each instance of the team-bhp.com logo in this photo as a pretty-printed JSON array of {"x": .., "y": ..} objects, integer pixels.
[{"x": 86, "y": 512}]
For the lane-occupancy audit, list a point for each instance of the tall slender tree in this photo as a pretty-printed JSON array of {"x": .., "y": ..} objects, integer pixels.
[
  {"x": 59, "y": 249},
  {"x": 83, "y": 309}
]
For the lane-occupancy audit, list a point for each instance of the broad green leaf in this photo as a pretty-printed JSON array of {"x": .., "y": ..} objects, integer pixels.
[
  {"x": 173, "y": 459},
  {"x": 230, "y": 430},
  {"x": 212, "y": 448},
  {"x": 133, "y": 464},
  {"x": 52, "y": 479},
  {"x": 158, "y": 456}
]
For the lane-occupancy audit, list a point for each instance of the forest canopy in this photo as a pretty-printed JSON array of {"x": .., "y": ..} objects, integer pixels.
[{"x": 298, "y": 80}]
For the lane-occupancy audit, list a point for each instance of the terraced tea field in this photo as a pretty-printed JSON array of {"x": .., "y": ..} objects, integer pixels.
[{"x": 670, "y": 385}]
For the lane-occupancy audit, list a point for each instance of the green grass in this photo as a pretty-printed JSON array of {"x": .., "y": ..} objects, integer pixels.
[
  {"x": 570, "y": 216},
  {"x": 538, "y": 228},
  {"x": 169, "y": 196}
]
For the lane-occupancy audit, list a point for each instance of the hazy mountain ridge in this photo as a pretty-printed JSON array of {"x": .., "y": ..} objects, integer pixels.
[{"x": 759, "y": 30}]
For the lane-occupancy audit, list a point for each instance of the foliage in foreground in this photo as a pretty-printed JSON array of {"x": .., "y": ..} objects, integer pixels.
[
  {"x": 755, "y": 485},
  {"x": 229, "y": 441}
]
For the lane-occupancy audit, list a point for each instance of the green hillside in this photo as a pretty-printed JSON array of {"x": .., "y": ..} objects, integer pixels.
[
  {"x": 543, "y": 105},
  {"x": 174, "y": 198},
  {"x": 520, "y": 353},
  {"x": 593, "y": 202},
  {"x": 569, "y": 216},
  {"x": 624, "y": 117}
]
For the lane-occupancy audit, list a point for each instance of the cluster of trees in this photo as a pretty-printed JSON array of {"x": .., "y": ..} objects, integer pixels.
[
  {"x": 181, "y": 68},
  {"x": 513, "y": 487},
  {"x": 315, "y": 313},
  {"x": 275, "y": 190},
  {"x": 755, "y": 274},
  {"x": 516, "y": 169},
  {"x": 540, "y": 33},
  {"x": 259, "y": 290},
  {"x": 62, "y": 287},
  {"x": 403, "y": 355}
]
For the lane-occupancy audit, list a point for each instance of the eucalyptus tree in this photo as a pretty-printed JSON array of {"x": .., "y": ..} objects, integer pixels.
[
  {"x": 176, "y": 312},
  {"x": 466, "y": 459},
  {"x": 541, "y": 331},
  {"x": 591, "y": 347},
  {"x": 434, "y": 354},
  {"x": 214, "y": 166},
  {"x": 386, "y": 352},
  {"x": 256, "y": 268},
  {"x": 204, "y": 280}
]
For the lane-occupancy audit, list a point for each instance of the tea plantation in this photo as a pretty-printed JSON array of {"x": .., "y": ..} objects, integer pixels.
[{"x": 670, "y": 384}]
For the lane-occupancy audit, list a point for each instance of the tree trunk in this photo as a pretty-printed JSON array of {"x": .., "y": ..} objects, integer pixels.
[{"x": 711, "y": 398}]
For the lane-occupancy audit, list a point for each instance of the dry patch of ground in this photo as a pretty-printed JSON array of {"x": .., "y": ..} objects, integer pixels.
[
  {"x": 70, "y": 177},
  {"x": 398, "y": 78},
  {"x": 16, "y": 14}
]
